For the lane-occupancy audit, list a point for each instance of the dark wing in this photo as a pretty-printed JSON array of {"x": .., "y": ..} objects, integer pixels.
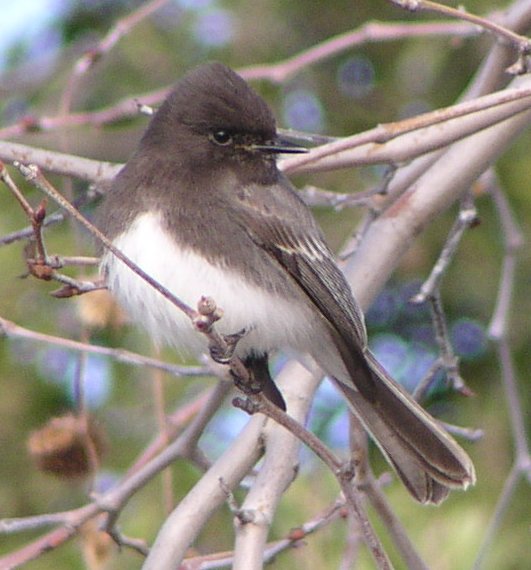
[
  {"x": 427, "y": 460},
  {"x": 279, "y": 222}
]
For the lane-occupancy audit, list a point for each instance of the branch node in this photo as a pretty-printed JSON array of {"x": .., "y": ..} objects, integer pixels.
[
  {"x": 107, "y": 505},
  {"x": 521, "y": 65},
  {"x": 122, "y": 541},
  {"x": 207, "y": 314},
  {"x": 40, "y": 212},
  {"x": 31, "y": 124},
  {"x": 207, "y": 307},
  {"x": 246, "y": 516},
  {"x": 347, "y": 471},
  {"x": 247, "y": 405},
  {"x": 296, "y": 534}
]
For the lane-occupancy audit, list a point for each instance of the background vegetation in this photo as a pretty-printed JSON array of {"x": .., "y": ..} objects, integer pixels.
[{"x": 354, "y": 90}]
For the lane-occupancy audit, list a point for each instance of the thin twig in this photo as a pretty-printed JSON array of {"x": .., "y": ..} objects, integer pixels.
[
  {"x": 449, "y": 360},
  {"x": 502, "y": 505},
  {"x": 129, "y": 107},
  {"x": 370, "y": 32},
  {"x": 499, "y": 326},
  {"x": 466, "y": 218},
  {"x": 272, "y": 549},
  {"x": 367, "y": 483},
  {"x": 469, "y": 434},
  {"x": 423, "y": 387},
  {"x": 12, "y": 330},
  {"x": 121, "y": 28},
  {"x": 513, "y": 241},
  {"x": 353, "y": 544},
  {"x": 365, "y": 148},
  {"x": 521, "y": 43},
  {"x": 385, "y": 133},
  {"x": 165, "y": 430},
  {"x": 86, "y": 198},
  {"x": 136, "y": 544},
  {"x": 35, "y": 215},
  {"x": 314, "y": 196},
  {"x": 342, "y": 472},
  {"x": 430, "y": 292},
  {"x": 277, "y": 72},
  {"x": 499, "y": 333}
]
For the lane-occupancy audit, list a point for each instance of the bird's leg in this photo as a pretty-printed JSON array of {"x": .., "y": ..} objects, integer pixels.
[{"x": 259, "y": 380}]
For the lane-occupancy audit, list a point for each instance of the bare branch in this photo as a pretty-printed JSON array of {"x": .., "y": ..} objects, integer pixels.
[
  {"x": 11, "y": 330},
  {"x": 279, "y": 72},
  {"x": 52, "y": 219},
  {"x": 368, "y": 33},
  {"x": 446, "y": 181},
  {"x": 126, "y": 108},
  {"x": 430, "y": 292},
  {"x": 251, "y": 533},
  {"x": 271, "y": 550},
  {"x": 404, "y": 140},
  {"x": 366, "y": 482},
  {"x": 466, "y": 218},
  {"x": 513, "y": 241},
  {"x": 91, "y": 57},
  {"x": 521, "y": 43},
  {"x": 183, "y": 525},
  {"x": 462, "y": 141},
  {"x": 491, "y": 74},
  {"x": 499, "y": 332},
  {"x": 388, "y": 143},
  {"x": 59, "y": 162}
]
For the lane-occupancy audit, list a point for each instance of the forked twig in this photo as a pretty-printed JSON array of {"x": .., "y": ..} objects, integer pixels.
[{"x": 342, "y": 471}]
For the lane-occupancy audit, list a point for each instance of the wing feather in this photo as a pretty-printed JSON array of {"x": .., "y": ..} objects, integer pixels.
[{"x": 276, "y": 222}]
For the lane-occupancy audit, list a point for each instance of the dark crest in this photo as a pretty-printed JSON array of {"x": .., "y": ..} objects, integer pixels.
[{"x": 210, "y": 97}]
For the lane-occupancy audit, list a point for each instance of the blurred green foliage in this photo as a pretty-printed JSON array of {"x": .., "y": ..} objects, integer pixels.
[{"x": 408, "y": 74}]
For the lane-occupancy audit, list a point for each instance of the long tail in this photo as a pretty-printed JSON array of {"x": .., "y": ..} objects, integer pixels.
[{"x": 425, "y": 457}]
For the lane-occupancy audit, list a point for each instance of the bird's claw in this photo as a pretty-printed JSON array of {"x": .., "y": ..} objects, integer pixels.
[{"x": 223, "y": 355}]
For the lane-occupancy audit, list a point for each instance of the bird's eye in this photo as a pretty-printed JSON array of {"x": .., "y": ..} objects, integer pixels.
[{"x": 221, "y": 137}]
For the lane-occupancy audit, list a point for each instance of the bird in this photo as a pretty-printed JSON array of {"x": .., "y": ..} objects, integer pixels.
[{"x": 202, "y": 207}]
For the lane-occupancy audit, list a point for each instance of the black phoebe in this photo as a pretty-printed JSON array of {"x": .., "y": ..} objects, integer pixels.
[{"x": 202, "y": 207}]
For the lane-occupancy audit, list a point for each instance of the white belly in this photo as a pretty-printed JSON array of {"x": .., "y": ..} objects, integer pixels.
[{"x": 271, "y": 321}]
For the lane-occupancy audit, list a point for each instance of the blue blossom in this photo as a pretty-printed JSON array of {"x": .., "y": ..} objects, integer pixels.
[
  {"x": 302, "y": 110},
  {"x": 384, "y": 310},
  {"x": 355, "y": 77},
  {"x": 214, "y": 28},
  {"x": 468, "y": 338},
  {"x": 60, "y": 366}
]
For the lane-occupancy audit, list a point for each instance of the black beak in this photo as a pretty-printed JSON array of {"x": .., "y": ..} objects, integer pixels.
[{"x": 280, "y": 146}]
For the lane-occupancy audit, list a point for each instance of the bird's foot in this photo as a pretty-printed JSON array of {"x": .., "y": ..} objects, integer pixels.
[{"x": 223, "y": 355}]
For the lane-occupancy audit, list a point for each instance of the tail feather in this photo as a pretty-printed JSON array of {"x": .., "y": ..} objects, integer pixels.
[
  {"x": 426, "y": 458},
  {"x": 408, "y": 464},
  {"x": 437, "y": 451}
]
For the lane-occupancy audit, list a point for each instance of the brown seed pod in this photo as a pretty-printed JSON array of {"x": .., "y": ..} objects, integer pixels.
[{"x": 68, "y": 446}]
